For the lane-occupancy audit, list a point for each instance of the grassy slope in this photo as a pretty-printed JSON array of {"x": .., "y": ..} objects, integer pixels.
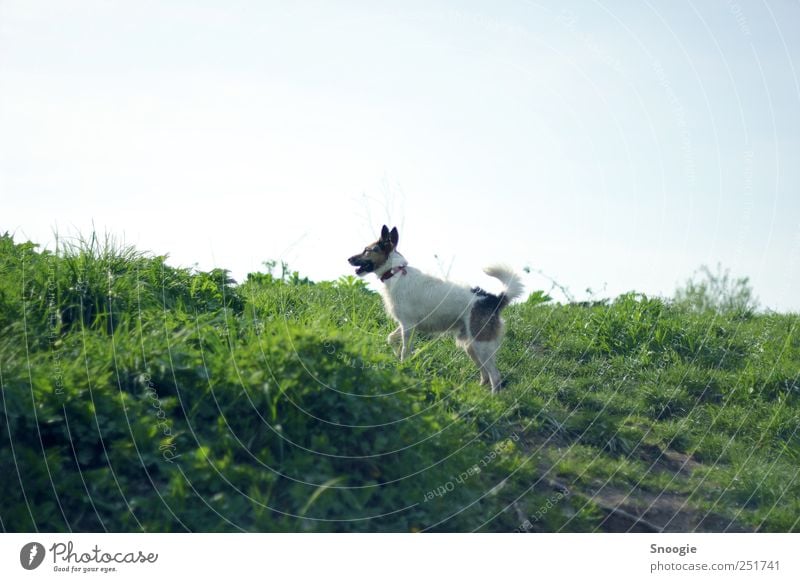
[{"x": 141, "y": 397}]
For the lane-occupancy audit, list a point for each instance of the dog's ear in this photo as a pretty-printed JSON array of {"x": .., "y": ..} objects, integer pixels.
[
  {"x": 385, "y": 233},
  {"x": 394, "y": 236}
]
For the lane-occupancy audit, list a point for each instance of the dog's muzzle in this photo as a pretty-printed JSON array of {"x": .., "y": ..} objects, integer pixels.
[{"x": 364, "y": 265}]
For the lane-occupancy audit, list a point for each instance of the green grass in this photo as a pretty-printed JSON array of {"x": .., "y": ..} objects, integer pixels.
[{"x": 141, "y": 397}]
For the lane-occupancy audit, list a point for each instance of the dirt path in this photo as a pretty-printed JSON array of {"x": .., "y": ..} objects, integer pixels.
[{"x": 637, "y": 509}]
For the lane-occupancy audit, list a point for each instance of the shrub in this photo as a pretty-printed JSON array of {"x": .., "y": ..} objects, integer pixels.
[{"x": 717, "y": 291}]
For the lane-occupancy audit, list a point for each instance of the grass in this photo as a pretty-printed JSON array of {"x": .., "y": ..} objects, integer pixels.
[{"x": 141, "y": 397}]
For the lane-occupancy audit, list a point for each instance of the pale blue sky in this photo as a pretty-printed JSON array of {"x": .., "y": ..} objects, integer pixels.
[{"x": 613, "y": 145}]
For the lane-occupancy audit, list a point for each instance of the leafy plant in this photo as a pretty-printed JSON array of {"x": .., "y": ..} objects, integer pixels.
[{"x": 717, "y": 291}]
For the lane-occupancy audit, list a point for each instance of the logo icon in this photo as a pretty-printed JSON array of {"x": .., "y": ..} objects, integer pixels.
[{"x": 31, "y": 555}]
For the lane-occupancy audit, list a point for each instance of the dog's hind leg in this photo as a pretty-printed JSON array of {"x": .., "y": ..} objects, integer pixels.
[
  {"x": 486, "y": 352},
  {"x": 471, "y": 352}
]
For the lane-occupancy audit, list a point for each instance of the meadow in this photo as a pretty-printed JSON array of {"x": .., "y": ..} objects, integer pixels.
[{"x": 137, "y": 396}]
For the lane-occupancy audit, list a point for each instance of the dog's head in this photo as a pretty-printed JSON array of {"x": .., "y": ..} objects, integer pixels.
[{"x": 375, "y": 254}]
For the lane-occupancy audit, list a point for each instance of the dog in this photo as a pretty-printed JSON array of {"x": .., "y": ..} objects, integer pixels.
[{"x": 417, "y": 301}]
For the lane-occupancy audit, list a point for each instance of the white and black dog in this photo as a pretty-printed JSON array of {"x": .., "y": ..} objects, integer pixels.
[{"x": 421, "y": 302}]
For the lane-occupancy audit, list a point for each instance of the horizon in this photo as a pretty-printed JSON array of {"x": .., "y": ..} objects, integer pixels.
[
  {"x": 558, "y": 293},
  {"x": 610, "y": 146}
]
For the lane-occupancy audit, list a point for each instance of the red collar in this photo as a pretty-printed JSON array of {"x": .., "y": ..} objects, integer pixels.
[{"x": 392, "y": 272}]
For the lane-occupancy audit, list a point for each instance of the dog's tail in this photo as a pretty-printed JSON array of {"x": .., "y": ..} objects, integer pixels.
[{"x": 510, "y": 279}]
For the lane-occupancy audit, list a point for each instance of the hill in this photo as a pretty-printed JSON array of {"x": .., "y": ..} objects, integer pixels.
[{"x": 142, "y": 397}]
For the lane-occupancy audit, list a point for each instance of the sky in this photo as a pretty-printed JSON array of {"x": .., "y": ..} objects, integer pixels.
[{"x": 610, "y": 146}]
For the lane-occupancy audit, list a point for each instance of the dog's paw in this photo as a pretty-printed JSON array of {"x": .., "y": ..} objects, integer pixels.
[{"x": 500, "y": 386}]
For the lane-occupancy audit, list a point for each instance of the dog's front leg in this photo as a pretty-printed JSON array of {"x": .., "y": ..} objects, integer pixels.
[{"x": 407, "y": 341}]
